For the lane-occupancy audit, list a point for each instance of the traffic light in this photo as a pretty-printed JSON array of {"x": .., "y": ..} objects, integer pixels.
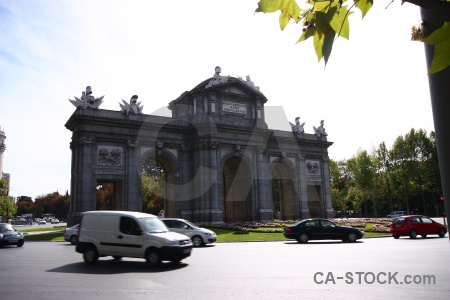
[{"x": 442, "y": 199}]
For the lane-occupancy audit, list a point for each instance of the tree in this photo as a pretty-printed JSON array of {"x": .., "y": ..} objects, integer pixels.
[
  {"x": 52, "y": 203},
  {"x": 24, "y": 206},
  {"x": 325, "y": 20},
  {"x": 362, "y": 168},
  {"x": 7, "y": 205},
  {"x": 152, "y": 194},
  {"x": 384, "y": 157},
  {"x": 153, "y": 189},
  {"x": 338, "y": 188}
]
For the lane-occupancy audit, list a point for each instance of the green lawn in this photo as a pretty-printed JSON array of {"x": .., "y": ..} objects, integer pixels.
[
  {"x": 43, "y": 229},
  {"x": 230, "y": 236},
  {"x": 51, "y": 237}
]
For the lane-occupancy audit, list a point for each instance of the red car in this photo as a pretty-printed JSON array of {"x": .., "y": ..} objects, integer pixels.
[{"x": 416, "y": 225}]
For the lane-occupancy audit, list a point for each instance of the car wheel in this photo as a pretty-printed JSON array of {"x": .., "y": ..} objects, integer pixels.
[
  {"x": 197, "y": 241},
  {"x": 116, "y": 257},
  {"x": 424, "y": 235},
  {"x": 21, "y": 242},
  {"x": 73, "y": 240},
  {"x": 396, "y": 236},
  {"x": 351, "y": 237},
  {"x": 153, "y": 258},
  {"x": 413, "y": 234},
  {"x": 303, "y": 238},
  {"x": 441, "y": 232},
  {"x": 90, "y": 255}
]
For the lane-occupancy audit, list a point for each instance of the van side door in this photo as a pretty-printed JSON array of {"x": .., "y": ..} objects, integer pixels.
[{"x": 130, "y": 238}]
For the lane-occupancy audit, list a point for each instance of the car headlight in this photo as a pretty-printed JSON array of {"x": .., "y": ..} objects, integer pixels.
[
  {"x": 173, "y": 243},
  {"x": 1, "y": 236}
]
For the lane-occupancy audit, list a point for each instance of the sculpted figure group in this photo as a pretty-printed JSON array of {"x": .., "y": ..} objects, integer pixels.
[
  {"x": 87, "y": 100},
  {"x": 298, "y": 128}
]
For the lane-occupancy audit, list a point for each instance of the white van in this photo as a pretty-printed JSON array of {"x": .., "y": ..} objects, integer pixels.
[
  {"x": 397, "y": 213},
  {"x": 129, "y": 234}
]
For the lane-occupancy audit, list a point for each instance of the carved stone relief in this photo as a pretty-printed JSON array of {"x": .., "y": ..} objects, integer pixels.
[
  {"x": 312, "y": 167},
  {"x": 109, "y": 156}
]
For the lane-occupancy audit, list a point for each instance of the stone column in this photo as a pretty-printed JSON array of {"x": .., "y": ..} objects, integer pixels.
[
  {"x": 186, "y": 185},
  {"x": 132, "y": 186},
  {"x": 303, "y": 189},
  {"x": 215, "y": 213},
  {"x": 82, "y": 183},
  {"x": 328, "y": 206},
  {"x": 265, "y": 210}
]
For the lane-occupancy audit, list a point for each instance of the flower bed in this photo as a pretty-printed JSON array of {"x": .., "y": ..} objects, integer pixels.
[{"x": 379, "y": 225}]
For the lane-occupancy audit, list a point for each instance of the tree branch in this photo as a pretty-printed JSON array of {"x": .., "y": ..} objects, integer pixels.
[{"x": 440, "y": 6}]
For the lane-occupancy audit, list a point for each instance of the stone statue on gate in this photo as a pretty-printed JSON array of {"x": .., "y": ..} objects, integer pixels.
[
  {"x": 217, "y": 78},
  {"x": 297, "y": 128},
  {"x": 87, "y": 100},
  {"x": 320, "y": 131},
  {"x": 133, "y": 107}
]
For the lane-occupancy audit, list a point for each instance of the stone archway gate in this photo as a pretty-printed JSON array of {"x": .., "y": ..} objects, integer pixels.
[{"x": 215, "y": 149}]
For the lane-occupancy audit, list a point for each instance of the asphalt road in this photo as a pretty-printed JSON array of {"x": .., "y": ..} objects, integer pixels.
[{"x": 369, "y": 269}]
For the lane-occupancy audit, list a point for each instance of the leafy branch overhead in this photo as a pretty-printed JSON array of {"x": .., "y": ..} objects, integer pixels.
[{"x": 325, "y": 20}]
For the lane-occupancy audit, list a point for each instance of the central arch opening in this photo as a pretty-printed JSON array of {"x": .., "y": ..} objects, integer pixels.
[
  {"x": 237, "y": 183},
  {"x": 284, "y": 194},
  {"x": 157, "y": 175},
  {"x": 153, "y": 179}
]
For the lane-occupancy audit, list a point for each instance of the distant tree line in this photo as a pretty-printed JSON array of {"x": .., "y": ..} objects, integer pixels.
[
  {"x": 53, "y": 203},
  {"x": 404, "y": 177}
]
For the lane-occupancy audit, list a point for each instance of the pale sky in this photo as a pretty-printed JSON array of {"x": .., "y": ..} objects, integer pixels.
[{"x": 374, "y": 88}]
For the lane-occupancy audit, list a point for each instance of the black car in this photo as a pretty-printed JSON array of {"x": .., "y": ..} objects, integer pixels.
[
  {"x": 10, "y": 236},
  {"x": 320, "y": 229}
]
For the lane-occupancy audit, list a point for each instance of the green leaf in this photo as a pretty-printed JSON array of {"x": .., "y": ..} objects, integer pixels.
[
  {"x": 309, "y": 32},
  {"x": 323, "y": 35},
  {"x": 440, "y": 38},
  {"x": 339, "y": 21},
  {"x": 323, "y": 44},
  {"x": 289, "y": 10},
  {"x": 322, "y": 6},
  {"x": 328, "y": 44},
  {"x": 319, "y": 38},
  {"x": 269, "y": 6},
  {"x": 364, "y": 6}
]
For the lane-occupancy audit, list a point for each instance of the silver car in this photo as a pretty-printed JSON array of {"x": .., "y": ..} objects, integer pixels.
[
  {"x": 71, "y": 234},
  {"x": 199, "y": 236}
]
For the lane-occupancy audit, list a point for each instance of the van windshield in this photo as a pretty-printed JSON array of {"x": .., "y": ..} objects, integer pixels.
[{"x": 153, "y": 225}]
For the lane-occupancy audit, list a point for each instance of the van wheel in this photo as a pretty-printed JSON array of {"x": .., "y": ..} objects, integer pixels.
[
  {"x": 197, "y": 241},
  {"x": 90, "y": 255},
  {"x": 153, "y": 258}
]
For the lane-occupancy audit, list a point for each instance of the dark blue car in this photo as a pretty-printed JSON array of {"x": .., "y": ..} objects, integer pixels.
[
  {"x": 321, "y": 229},
  {"x": 10, "y": 236}
]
